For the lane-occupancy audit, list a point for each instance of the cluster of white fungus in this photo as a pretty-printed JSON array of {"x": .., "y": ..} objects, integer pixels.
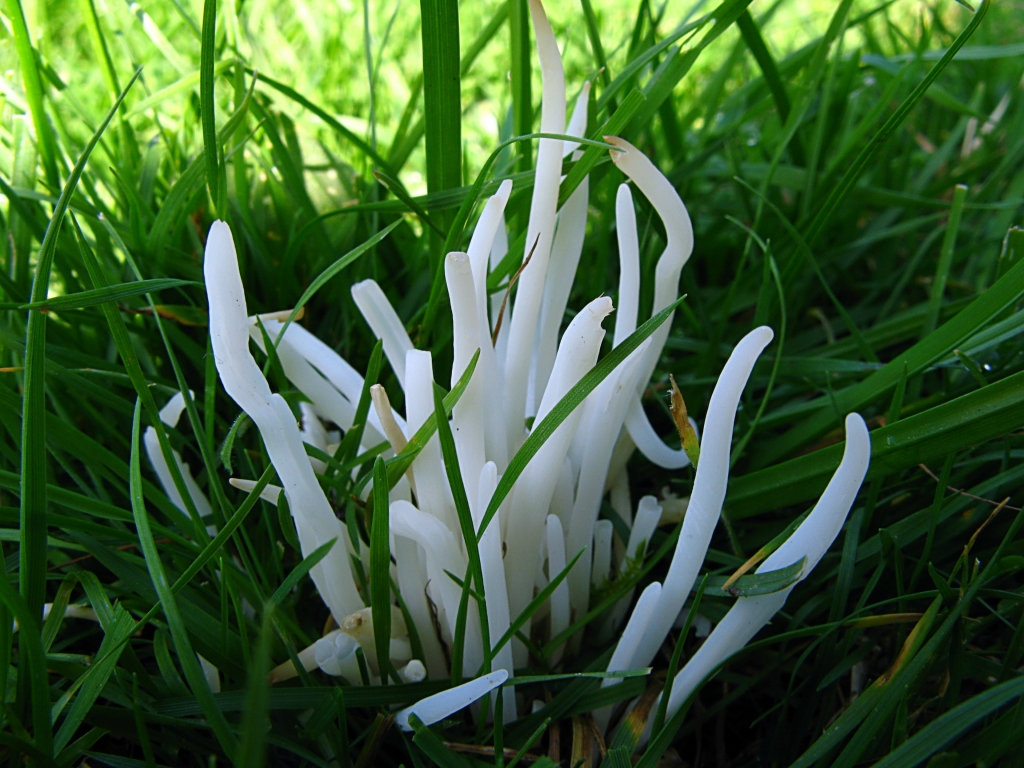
[{"x": 552, "y": 512}]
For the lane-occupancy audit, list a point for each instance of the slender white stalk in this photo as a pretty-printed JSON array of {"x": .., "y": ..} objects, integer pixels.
[
  {"x": 313, "y": 433},
  {"x": 331, "y": 365},
  {"x": 468, "y": 415},
  {"x": 269, "y": 493},
  {"x": 707, "y": 497},
  {"x": 565, "y": 249},
  {"x": 629, "y": 264},
  {"x": 482, "y": 244},
  {"x": 445, "y": 704},
  {"x": 433, "y": 495},
  {"x": 495, "y": 589},
  {"x": 169, "y": 415},
  {"x": 541, "y": 228},
  {"x": 443, "y": 554},
  {"x": 385, "y": 324},
  {"x": 602, "y": 571},
  {"x": 648, "y": 441},
  {"x": 648, "y": 513},
  {"x": 245, "y": 383},
  {"x": 679, "y": 246},
  {"x": 412, "y": 582},
  {"x": 810, "y": 540},
  {"x": 577, "y": 354},
  {"x": 560, "y": 597},
  {"x": 603, "y": 414},
  {"x": 632, "y": 637}
]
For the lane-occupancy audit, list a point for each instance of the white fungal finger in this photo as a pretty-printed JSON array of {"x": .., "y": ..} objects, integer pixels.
[
  {"x": 244, "y": 382},
  {"x": 539, "y": 232},
  {"x": 708, "y": 494},
  {"x": 385, "y": 324},
  {"x": 445, "y": 704},
  {"x": 810, "y": 540}
]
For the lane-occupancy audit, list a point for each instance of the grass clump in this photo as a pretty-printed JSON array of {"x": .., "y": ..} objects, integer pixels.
[{"x": 856, "y": 181}]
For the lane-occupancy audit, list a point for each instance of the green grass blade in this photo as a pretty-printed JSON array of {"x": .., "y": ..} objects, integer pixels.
[
  {"x": 214, "y": 173},
  {"x": 455, "y": 482},
  {"x": 853, "y": 173},
  {"x": 967, "y": 322},
  {"x": 112, "y": 293},
  {"x": 442, "y": 94},
  {"x": 955, "y": 425},
  {"x": 380, "y": 565},
  {"x": 34, "y": 664},
  {"x": 31, "y": 81},
  {"x": 179, "y": 632},
  {"x": 945, "y": 260},
  {"x": 252, "y": 750},
  {"x": 947, "y": 727},
  {"x": 33, "y": 440}
]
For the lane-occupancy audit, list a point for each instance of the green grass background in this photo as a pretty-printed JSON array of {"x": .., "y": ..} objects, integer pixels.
[{"x": 890, "y": 294}]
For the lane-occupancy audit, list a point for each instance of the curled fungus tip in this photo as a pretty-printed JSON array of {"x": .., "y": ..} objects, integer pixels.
[{"x": 441, "y": 705}]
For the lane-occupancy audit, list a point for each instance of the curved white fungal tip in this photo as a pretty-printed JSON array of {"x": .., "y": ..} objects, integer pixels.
[
  {"x": 414, "y": 672},
  {"x": 648, "y": 513},
  {"x": 270, "y": 493},
  {"x": 382, "y": 406},
  {"x": 504, "y": 192},
  {"x": 441, "y": 705},
  {"x": 811, "y": 540},
  {"x": 577, "y": 352},
  {"x": 666, "y": 201},
  {"x": 649, "y": 443},
  {"x": 708, "y": 492},
  {"x": 619, "y": 146},
  {"x": 643, "y": 613},
  {"x": 172, "y": 411},
  {"x": 816, "y": 534},
  {"x": 376, "y": 309},
  {"x": 211, "y": 673},
  {"x": 229, "y": 323},
  {"x": 335, "y": 654}
]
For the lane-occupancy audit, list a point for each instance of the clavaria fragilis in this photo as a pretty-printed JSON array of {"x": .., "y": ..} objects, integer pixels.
[{"x": 551, "y": 514}]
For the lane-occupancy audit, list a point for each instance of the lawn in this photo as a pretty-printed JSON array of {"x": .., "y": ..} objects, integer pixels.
[{"x": 854, "y": 175}]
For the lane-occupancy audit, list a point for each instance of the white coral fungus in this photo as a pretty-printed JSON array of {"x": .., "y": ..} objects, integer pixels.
[{"x": 551, "y": 514}]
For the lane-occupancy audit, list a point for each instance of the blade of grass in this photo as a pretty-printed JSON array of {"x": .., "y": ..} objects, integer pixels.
[
  {"x": 842, "y": 189},
  {"x": 33, "y": 440},
  {"x": 32, "y": 82},
  {"x": 462, "y": 509},
  {"x": 215, "y": 178},
  {"x": 179, "y": 632},
  {"x": 114, "y": 293},
  {"x": 948, "y": 336},
  {"x": 252, "y": 750}
]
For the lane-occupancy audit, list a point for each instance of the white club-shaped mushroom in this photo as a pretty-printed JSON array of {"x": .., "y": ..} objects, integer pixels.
[
  {"x": 445, "y": 704},
  {"x": 811, "y": 540},
  {"x": 577, "y": 354},
  {"x": 539, "y": 232},
  {"x": 705, "y": 501},
  {"x": 244, "y": 382}
]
